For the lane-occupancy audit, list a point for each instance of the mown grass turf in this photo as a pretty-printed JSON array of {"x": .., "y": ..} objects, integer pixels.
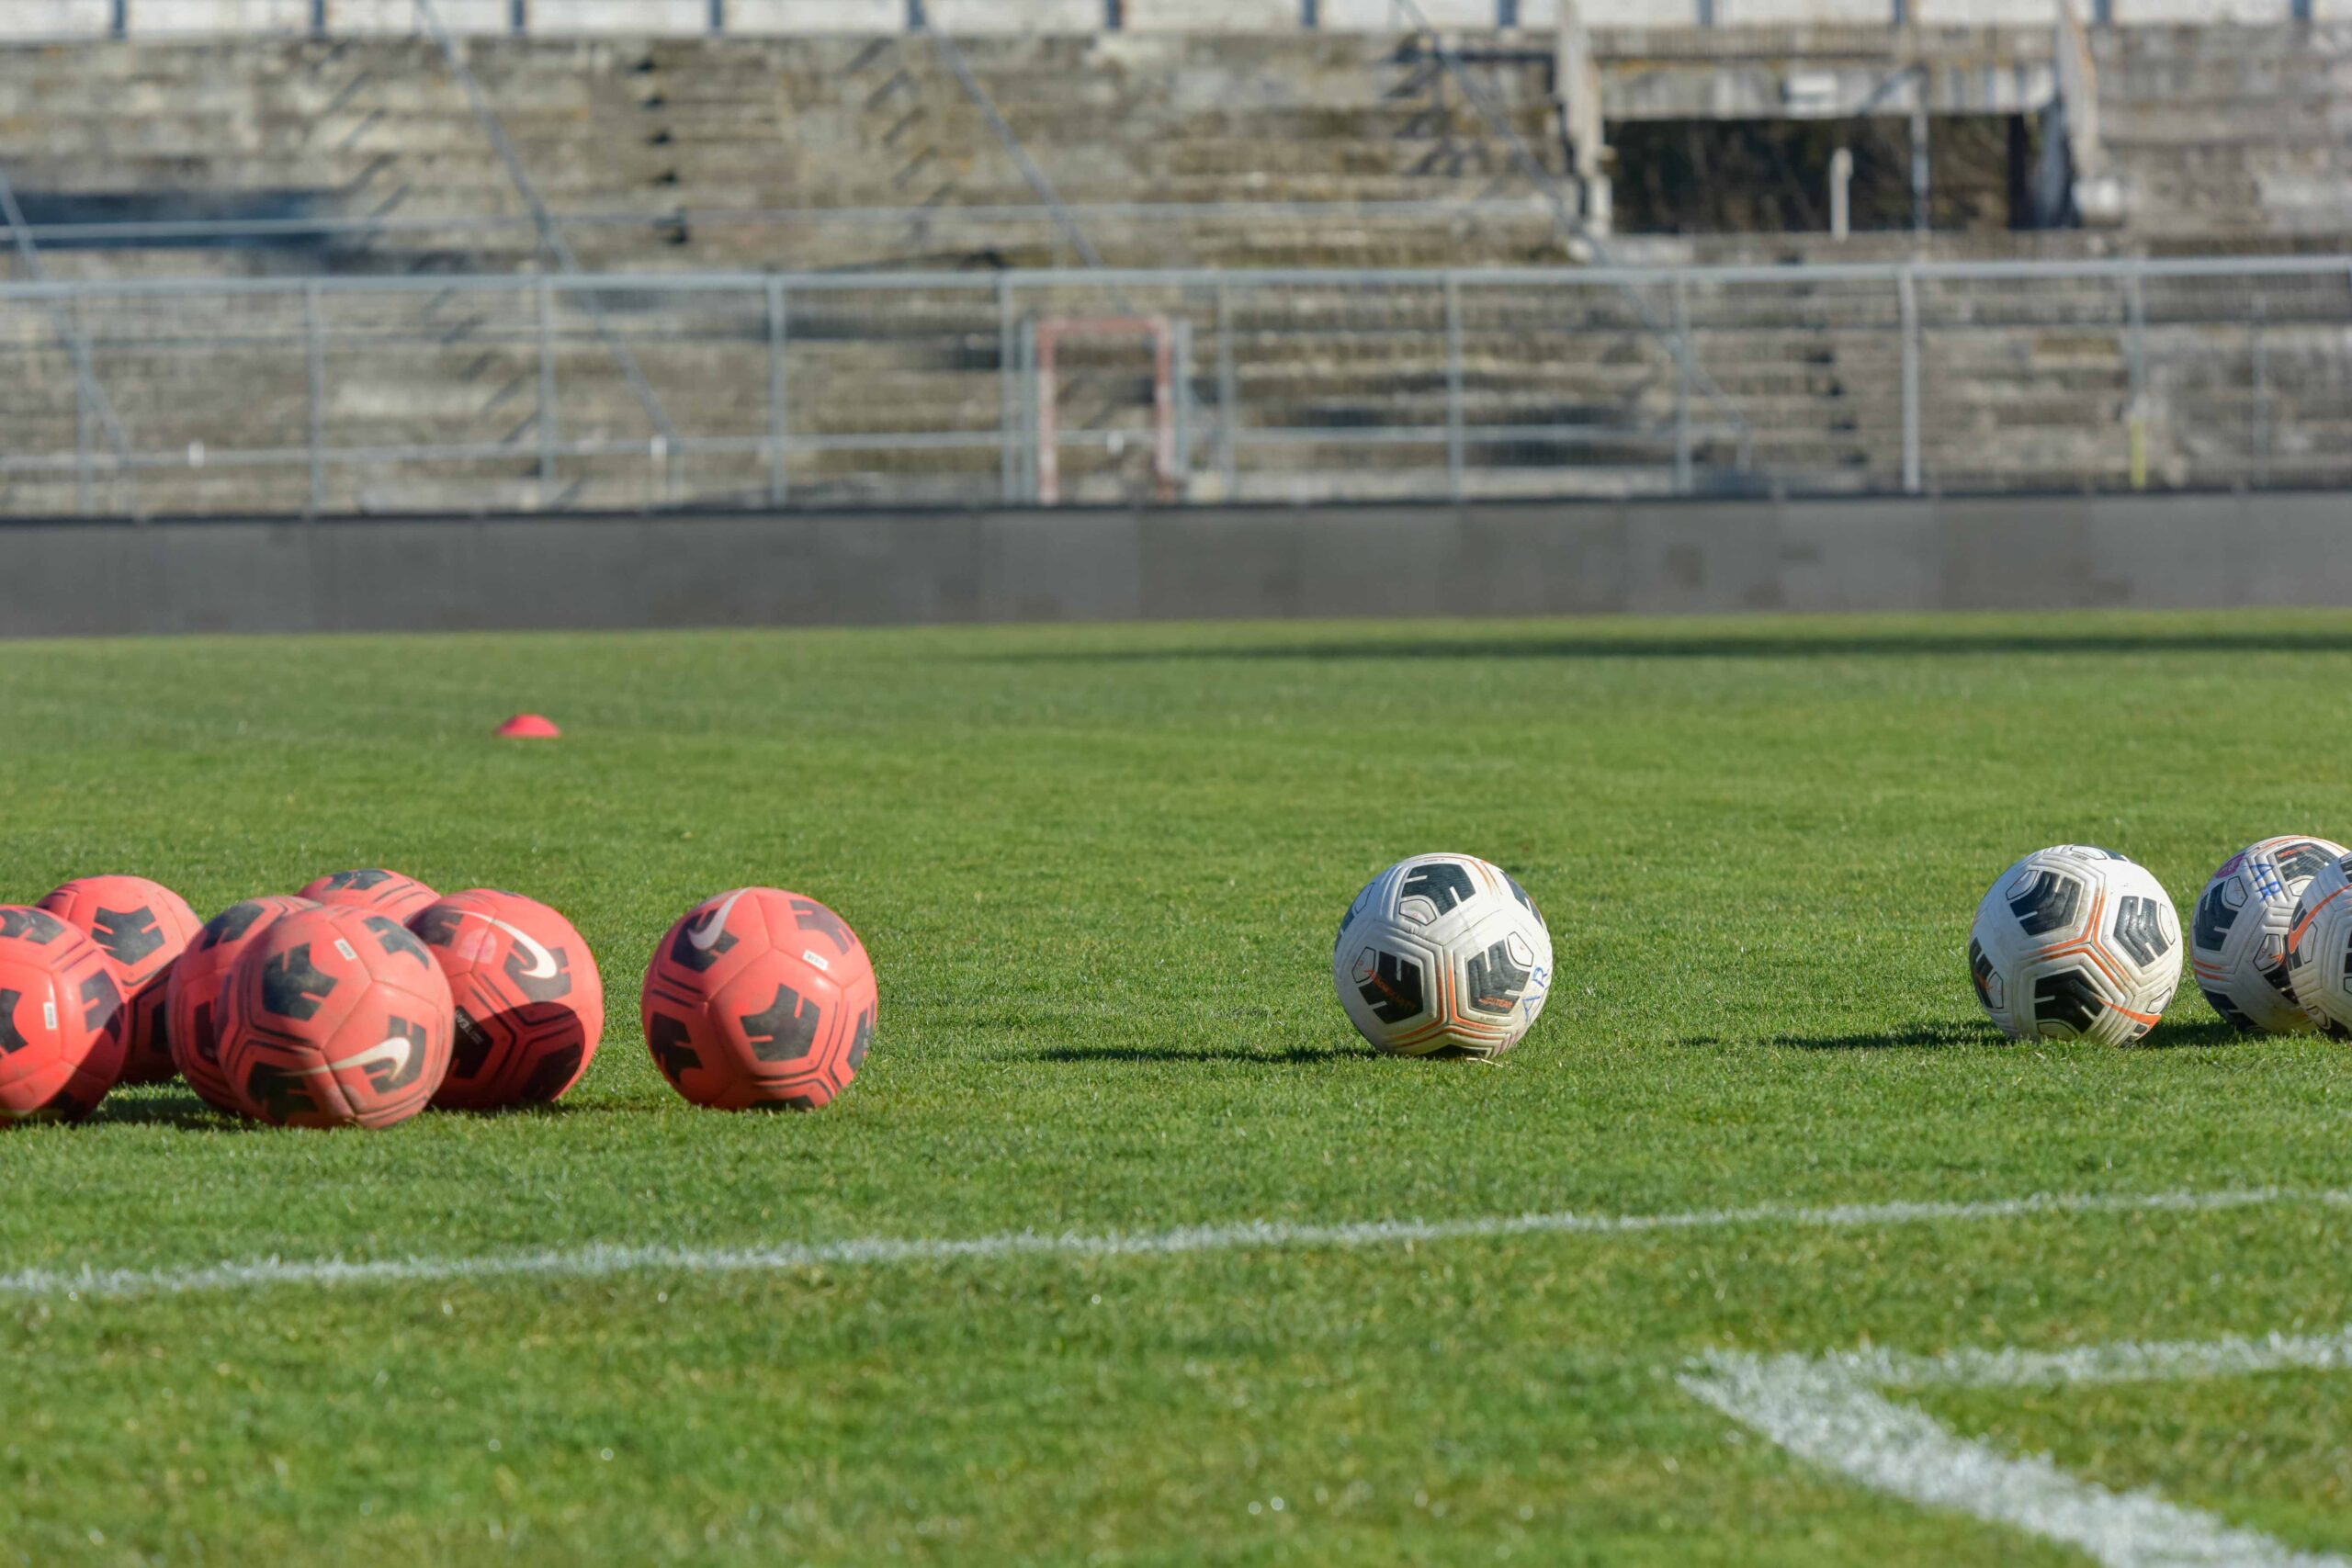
[
  {"x": 2272, "y": 1450},
  {"x": 1099, "y": 871}
]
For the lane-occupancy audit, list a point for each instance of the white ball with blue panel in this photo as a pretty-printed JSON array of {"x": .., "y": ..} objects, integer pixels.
[
  {"x": 2238, "y": 931},
  {"x": 2319, "y": 948}
]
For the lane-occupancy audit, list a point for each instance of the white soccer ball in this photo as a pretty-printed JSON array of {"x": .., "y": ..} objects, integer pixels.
[
  {"x": 2319, "y": 948},
  {"x": 1442, "y": 955},
  {"x": 2238, "y": 937},
  {"x": 2075, "y": 943}
]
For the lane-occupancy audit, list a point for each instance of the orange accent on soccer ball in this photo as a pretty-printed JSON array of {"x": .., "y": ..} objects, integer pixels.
[{"x": 2295, "y": 937}]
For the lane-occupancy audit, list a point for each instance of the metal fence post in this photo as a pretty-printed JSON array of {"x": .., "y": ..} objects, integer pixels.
[
  {"x": 325, "y": 456},
  {"x": 1455, "y": 458},
  {"x": 1682, "y": 476},
  {"x": 1045, "y": 432},
  {"x": 1908, "y": 297},
  {"x": 1008, "y": 394},
  {"x": 1921, "y": 198},
  {"x": 314, "y": 344},
  {"x": 1183, "y": 408},
  {"x": 2258, "y": 409},
  {"x": 1025, "y": 422},
  {"x": 2135, "y": 311},
  {"x": 779, "y": 395},
  {"x": 1229, "y": 399},
  {"x": 547, "y": 391},
  {"x": 85, "y": 416}
]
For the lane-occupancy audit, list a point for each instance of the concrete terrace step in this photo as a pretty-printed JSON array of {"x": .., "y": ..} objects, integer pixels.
[
  {"x": 2023, "y": 385},
  {"x": 2165, "y": 128}
]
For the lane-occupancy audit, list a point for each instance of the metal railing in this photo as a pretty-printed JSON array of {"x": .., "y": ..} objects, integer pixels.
[
  {"x": 354, "y": 228},
  {"x": 499, "y": 391},
  {"x": 789, "y": 238},
  {"x": 47, "y": 20},
  {"x": 92, "y": 402}
]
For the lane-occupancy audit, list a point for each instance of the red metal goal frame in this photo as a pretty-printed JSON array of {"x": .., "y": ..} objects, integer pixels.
[{"x": 1161, "y": 333}]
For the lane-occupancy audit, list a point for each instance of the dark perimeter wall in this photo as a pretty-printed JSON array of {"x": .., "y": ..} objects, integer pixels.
[{"x": 377, "y": 574}]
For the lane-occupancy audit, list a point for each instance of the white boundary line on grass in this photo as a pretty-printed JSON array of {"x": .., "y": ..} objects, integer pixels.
[
  {"x": 599, "y": 1261},
  {"x": 1827, "y": 1409},
  {"x": 2128, "y": 1360}
]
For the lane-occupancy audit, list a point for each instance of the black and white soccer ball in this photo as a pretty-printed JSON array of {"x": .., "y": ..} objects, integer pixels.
[
  {"x": 1443, "y": 955},
  {"x": 2075, "y": 943},
  {"x": 2319, "y": 948},
  {"x": 2238, "y": 935}
]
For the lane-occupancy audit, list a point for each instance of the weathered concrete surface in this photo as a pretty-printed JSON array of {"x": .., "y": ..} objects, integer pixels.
[{"x": 80, "y": 579}]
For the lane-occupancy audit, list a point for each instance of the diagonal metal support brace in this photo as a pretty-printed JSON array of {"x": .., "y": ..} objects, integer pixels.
[
  {"x": 68, "y": 329},
  {"x": 1042, "y": 187},
  {"x": 550, "y": 231},
  {"x": 1046, "y": 195}
]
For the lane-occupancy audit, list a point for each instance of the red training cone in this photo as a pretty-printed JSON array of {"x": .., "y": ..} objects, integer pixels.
[{"x": 529, "y": 726}]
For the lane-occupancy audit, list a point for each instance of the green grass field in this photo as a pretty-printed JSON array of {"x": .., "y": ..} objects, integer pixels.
[{"x": 1099, "y": 871}]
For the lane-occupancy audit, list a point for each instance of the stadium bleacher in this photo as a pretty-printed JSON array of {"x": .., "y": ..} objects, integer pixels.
[{"x": 232, "y": 167}]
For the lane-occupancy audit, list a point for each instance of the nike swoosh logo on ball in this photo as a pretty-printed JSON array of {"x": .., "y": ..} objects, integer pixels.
[
  {"x": 543, "y": 964},
  {"x": 394, "y": 1050},
  {"x": 704, "y": 935}
]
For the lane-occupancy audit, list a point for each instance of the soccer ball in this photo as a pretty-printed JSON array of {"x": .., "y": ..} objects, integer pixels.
[
  {"x": 760, "y": 998},
  {"x": 2238, "y": 940},
  {"x": 194, "y": 995},
  {"x": 142, "y": 927},
  {"x": 381, "y": 892},
  {"x": 530, "y": 1004},
  {"x": 62, "y": 1020},
  {"x": 334, "y": 1017},
  {"x": 1442, "y": 955},
  {"x": 2319, "y": 948},
  {"x": 2075, "y": 943}
]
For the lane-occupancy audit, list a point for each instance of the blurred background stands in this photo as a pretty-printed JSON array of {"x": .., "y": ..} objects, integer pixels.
[{"x": 236, "y": 202}]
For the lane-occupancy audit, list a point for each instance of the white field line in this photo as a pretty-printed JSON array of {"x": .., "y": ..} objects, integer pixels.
[
  {"x": 2156, "y": 1360},
  {"x": 600, "y": 1260},
  {"x": 1826, "y": 1409}
]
